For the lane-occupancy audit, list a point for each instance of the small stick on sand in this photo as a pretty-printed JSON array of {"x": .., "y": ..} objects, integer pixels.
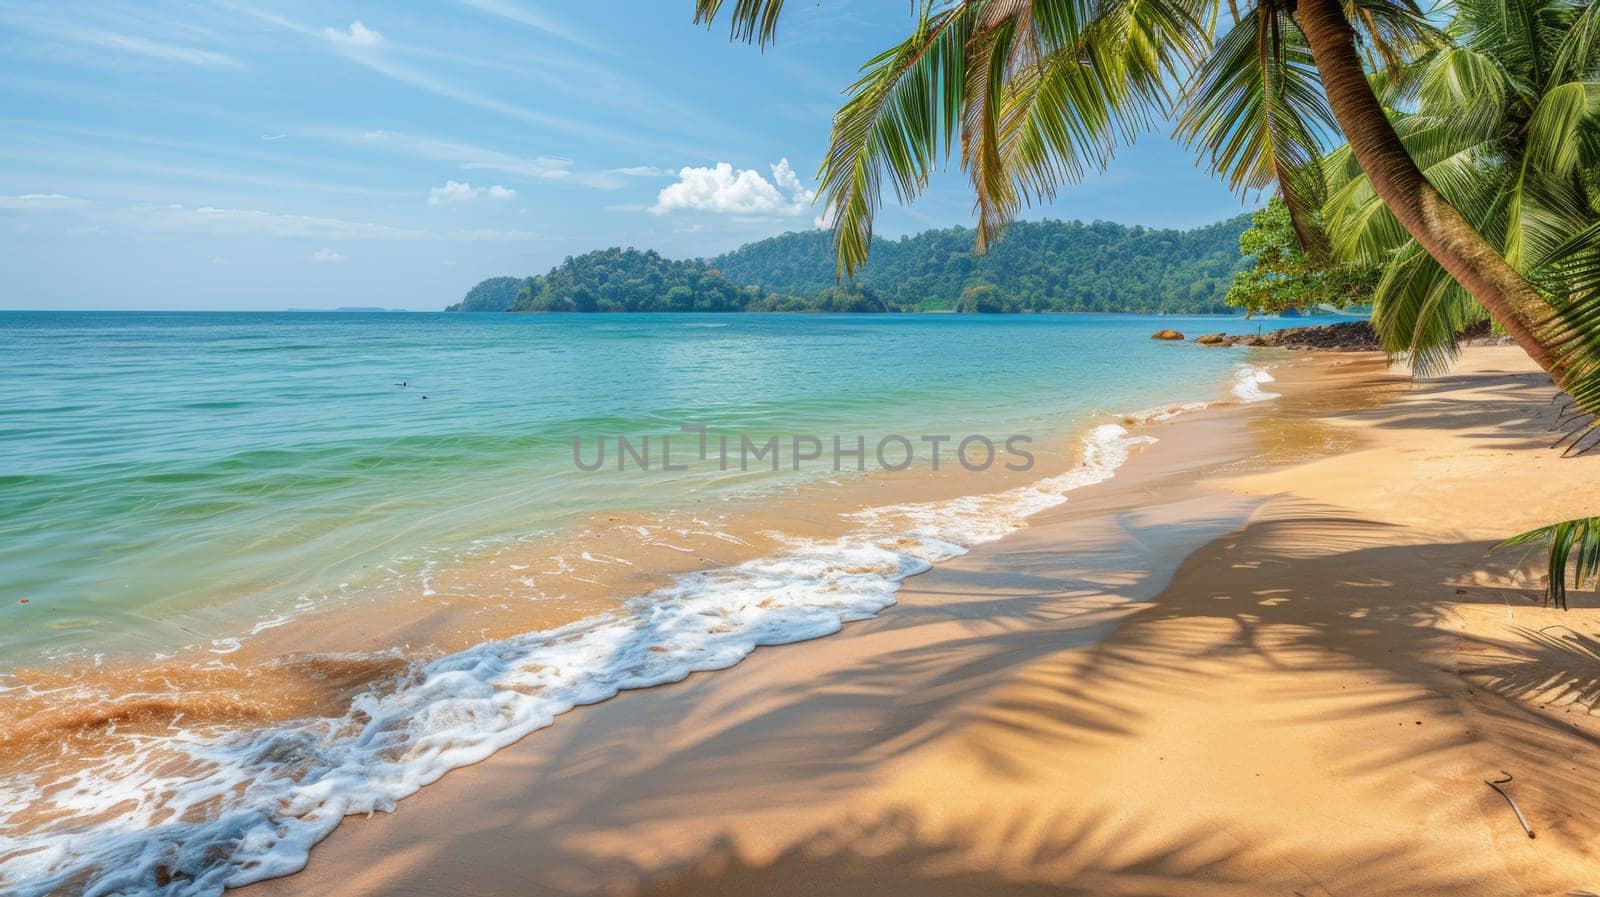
[{"x": 1496, "y": 786}]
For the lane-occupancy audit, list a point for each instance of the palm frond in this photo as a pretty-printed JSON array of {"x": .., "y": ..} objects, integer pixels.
[
  {"x": 1419, "y": 309},
  {"x": 1394, "y": 33},
  {"x": 1571, "y": 328},
  {"x": 752, "y": 21},
  {"x": 1574, "y": 542},
  {"x": 1553, "y": 131},
  {"x": 1578, "y": 55},
  {"x": 994, "y": 52},
  {"x": 1040, "y": 144},
  {"x": 1511, "y": 151},
  {"x": 1079, "y": 84},
  {"x": 1467, "y": 86},
  {"x": 1256, "y": 113},
  {"x": 901, "y": 116}
]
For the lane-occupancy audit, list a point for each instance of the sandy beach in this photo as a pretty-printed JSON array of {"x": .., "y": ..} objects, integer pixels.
[{"x": 1272, "y": 656}]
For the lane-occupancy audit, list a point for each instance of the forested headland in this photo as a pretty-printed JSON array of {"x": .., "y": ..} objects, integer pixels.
[{"x": 1044, "y": 266}]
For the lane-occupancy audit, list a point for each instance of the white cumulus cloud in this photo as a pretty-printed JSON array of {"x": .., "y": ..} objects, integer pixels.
[
  {"x": 723, "y": 190},
  {"x": 462, "y": 191},
  {"x": 326, "y": 255},
  {"x": 357, "y": 35},
  {"x": 788, "y": 180}
]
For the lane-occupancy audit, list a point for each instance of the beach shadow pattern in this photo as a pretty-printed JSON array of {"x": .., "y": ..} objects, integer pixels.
[
  {"x": 1009, "y": 661},
  {"x": 1019, "y": 673}
]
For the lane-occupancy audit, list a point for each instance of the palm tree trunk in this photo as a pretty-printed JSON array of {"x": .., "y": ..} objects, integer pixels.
[{"x": 1437, "y": 226}]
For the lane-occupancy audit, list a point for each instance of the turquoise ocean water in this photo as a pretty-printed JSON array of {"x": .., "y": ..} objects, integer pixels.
[{"x": 167, "y": 476}]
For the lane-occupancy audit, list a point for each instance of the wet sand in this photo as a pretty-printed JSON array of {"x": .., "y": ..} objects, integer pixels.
[
  {"x": 311, "y": 664},
  {"x": 1272, "y": 656}
]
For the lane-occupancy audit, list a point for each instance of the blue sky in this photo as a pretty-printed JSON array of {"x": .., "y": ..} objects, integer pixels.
[{"x": 233, "y": 154}]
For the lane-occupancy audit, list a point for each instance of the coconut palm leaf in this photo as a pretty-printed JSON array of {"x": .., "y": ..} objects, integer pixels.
[
  {"x": 1038, "y": 91},
  {"x": 1418, "y": 308},
  {"x": 1465, "y": 87},
  {"x": 1068, "y": 90},
  {"x": 1042, "y": 91},
  {"x": 751, "y": 21},
  {"x": 1001, "y": 45},
  {"x": 1554, "y": 130},
  {"x": 1394, "y": 33},
  {"x": 1576, "y": 55},
  {"x": 899, "y": 121},
  {"x": 1570, "y": 542},
  {"x": 1256, "y": 113},
  {"x": 1507, "y": 142},
  {"x": 1571, "y": 328}
]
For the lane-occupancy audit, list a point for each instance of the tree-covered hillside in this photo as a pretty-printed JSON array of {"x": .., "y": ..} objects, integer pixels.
[
  {"x": 630, "y": 280},
  {"x": 1039, "y": 266},
  {"x": 494, "y": 294}
]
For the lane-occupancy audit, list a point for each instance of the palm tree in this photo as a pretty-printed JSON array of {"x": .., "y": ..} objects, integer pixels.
[
  {"x": 1041, "y": 90},
  {"x": 1505, "y": 121}
]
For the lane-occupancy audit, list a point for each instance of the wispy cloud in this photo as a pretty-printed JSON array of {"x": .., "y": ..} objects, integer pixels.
[
  {"x": 426, "y": 81},
  {"x": 491, "y": 234},
  {"x": 642, "y": 171},
  {"x": 40, "y": 202},
  {"x": 259, "y": 223},
  {"x": 384, "y": 57},
  {"x": 466, "y": 155},
  {"x": 80, "y": 161},
  {"x": 221, "y": 222},
  {"x": 522, "y": 15},
  {"x": 364, "y": 46},
  {"x": 472, "y": 157},
  {"x": 326, "y": 256},
  {"x": 73, "y": 32}
]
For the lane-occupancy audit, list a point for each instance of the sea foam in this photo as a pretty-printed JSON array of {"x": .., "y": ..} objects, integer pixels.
[
  {"x": 1247, "y": 384},
  {"x": 198, "y": 811}
]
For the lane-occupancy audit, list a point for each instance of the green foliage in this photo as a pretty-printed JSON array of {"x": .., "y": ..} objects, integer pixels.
[
  {"x": 1039, "y": 266},
  {"x": 1570, "y": 541},
  {"x": 1037, "y": 93},
  {"x": 847, "y": 297},
  {"x": 1505, "y": 122},
  {"x": 630, "y": 280},
  {"x": 985, "y": 299},
  {"x": 1571, "y": 328},
  {"x": 1285, "y": 277},
  {"x": 494, "y": 294},
  {"x": 1256, "y": 114}
]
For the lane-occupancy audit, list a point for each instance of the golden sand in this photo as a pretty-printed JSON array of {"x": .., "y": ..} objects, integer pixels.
[{"x": 1273, "y": 656}]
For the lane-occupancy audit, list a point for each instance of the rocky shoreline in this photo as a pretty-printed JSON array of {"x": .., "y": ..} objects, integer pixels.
[{"x": 1345, "y": 336}]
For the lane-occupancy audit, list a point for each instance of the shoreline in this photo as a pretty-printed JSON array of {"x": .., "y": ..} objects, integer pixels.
[
  {"x": 1309, "y": 704},
  {"x": 292, "y": 671}
]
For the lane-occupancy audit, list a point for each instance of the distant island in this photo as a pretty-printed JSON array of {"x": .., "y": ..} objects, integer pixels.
[{"x": 1044, "y": 266}]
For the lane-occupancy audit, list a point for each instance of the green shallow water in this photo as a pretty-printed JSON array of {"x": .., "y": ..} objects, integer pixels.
[{"x": 167, "y": 478}]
